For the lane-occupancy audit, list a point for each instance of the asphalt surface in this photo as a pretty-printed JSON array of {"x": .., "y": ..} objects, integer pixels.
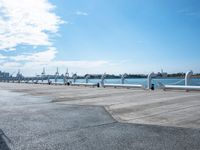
[{"x": 35, "y": 123}]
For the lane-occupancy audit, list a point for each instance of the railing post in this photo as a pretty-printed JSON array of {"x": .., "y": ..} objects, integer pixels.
[
  {"x": 123, "y": 78},
  {"x": 56, "y": 75},
  {"x": 102, "y": 79},
  {"x": 187, "y": 77},
  {"x": 87, "y": 78},
  {"x": 74, "y": 77},
  {"x": 56, "y": 78},
  {"x": 49, "y": 81},
  {"x": 149, "y": 79},
  {"x": 66, "y": 77}
]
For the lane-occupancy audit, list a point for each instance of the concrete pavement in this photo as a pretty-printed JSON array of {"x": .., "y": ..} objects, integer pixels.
[
  {"x": 166, "y": 108},
  {"x": 36, "y": 123}
]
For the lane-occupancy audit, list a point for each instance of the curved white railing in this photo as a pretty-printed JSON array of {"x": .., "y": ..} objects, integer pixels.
[
  {"x": 122, "y": 85},
  {"x": 186, "y": 87},
  {"x": 86, "y": 82}
]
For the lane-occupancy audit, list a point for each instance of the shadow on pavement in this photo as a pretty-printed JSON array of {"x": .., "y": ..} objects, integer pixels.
[{"x": 3, "y": 145}]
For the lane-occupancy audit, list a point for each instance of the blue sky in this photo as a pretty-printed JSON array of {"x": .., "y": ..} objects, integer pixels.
[{"x": 97, "y": 36}]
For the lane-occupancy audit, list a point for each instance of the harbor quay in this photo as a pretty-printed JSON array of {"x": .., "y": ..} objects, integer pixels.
[{"x": 42, "y": 116}]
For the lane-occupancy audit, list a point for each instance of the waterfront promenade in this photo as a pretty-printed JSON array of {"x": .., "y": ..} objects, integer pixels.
[{"x": 35, "y": 116}]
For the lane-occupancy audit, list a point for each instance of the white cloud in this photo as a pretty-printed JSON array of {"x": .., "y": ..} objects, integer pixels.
[
  {"x": 2, "y": 57},
  {"x": 31, "y": 22},
  {"x": 33, "y": 63},
  {"x": 10, "y": 65},
  {"x": 84, "y": 64},
  {"x": 27, "y": 22},
  {"x": 35, "y": 67},
  {"x": 80, "y": 13},
  {"x": 43, "y": 56}
]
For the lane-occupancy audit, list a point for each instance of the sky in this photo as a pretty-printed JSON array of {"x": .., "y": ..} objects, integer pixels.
[{"x": 97, "y": 36}]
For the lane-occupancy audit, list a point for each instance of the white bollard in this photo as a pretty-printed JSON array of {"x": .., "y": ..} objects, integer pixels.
[
  {"x": 149, "y": 79},
  {"x": 123, "y": 78},
  {"x": 74, "y": 77},
  {"x": 87, "y": 78},
  {"x": 102, "y": 79},
  {"x": 188, "y": 77}
]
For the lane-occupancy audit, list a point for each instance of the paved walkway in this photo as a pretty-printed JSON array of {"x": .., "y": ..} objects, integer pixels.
[
  {"x": 35, "y": 123},
  {"x": 166, "y": 108}
]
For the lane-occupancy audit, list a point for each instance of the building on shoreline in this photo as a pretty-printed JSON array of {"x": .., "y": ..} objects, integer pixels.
[{"x": 4, "y": 74}]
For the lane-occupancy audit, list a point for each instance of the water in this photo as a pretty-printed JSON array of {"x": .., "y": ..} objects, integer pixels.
[{"x": 143, "y": 81}]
